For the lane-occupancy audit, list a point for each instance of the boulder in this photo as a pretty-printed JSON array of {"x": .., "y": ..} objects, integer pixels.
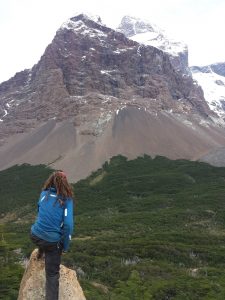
[{"x": 33, "y": 282}]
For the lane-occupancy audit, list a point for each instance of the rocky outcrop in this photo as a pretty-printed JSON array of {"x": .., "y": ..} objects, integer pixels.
[
  {"x": 33, "y": 282},
  {"x": 219, "y": 68}
]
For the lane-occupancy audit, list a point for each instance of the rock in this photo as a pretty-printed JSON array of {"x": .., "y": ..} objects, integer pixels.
[
  {"x": 219, "y": 68},
  {"x": 33, "y": 282}
]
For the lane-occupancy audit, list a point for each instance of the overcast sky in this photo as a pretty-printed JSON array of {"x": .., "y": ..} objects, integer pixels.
[{"x": 28, "y": 26}]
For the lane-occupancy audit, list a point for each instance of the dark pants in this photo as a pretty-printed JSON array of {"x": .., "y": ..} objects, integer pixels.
[{"x": 52, "y": 253}]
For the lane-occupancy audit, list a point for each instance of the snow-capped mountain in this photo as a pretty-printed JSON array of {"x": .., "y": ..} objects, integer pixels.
[
  {"x": 87, "y": 57},
  {"x": 212, "y": 79},
  {"x": 96, "y": 93},
  {"x": 146, "y": 33}
]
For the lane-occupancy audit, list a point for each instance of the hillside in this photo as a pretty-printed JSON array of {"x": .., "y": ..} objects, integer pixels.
[{"x": 145, "y": 229}]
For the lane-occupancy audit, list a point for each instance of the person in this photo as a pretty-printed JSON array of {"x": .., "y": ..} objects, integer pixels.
[{"x": 53, "y": 227}]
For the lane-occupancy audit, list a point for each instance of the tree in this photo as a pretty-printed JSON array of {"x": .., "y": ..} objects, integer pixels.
[{"x": 132, "y": 289}]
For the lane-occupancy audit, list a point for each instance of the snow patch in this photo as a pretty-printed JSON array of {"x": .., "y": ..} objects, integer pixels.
[
  {"x": 139, "y": 51},
  {"x": 214, "y": 94},
  {"x": 71, "y": 25},
  {"x": 102, "y": 121},
  {"x": 107, "y": 72},
  {"x": 93, "y": 32},
  {"x": 189, "y": 124},
  {"x": 118, "y": 51},
  {"x": 28, "y": 79},
  {"x": 79, "y": 26},
  {"x": 119, "y": 109},
  {"x": 92, "y": 17},
  {"x": 6, "y": 113}
]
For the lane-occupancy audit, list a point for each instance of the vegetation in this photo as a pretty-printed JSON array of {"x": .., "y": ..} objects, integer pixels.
[{"x": 145, "y": 229}]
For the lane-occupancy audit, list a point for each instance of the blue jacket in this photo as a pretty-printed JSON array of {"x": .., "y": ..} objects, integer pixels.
[{"x": 54, "y": 222}]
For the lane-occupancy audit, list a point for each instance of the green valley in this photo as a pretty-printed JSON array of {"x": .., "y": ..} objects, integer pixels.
[{"x": 145, "y": 229}]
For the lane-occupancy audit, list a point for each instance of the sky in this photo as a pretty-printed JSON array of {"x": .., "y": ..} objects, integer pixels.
[{"x": 28, "y": 26}]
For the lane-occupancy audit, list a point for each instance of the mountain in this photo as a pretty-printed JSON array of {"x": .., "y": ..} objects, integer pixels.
[
  {"x": 146, "y": 33},
  {"x": 212, "y": 80},
  {"x": 96, "y": 93}
]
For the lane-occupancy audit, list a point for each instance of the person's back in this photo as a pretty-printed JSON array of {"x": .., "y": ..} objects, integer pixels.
[{"x": 53, "y": 227}]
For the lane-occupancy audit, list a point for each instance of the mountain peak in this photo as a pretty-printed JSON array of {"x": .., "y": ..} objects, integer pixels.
[
  {"x": 132, "y": 26},
  {"x": 79, "y": 19},
  {"x": 144, "y": 32},
  {"x": 87, "y": 16}
]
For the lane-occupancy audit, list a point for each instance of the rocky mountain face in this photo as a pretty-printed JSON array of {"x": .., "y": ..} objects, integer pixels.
[
  {"x": 86, "y": 65},
  {"x": 33, "y": 282},
  {"x": 219, "y": 68},
  {"x": 208, "y": 77},
  {"x": 96, "y": 93},
  {"x": 212, "y": 80},
  {"x": 146, "y": 33}
]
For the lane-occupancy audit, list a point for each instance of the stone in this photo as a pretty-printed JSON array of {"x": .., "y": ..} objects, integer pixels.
[{"x": 33, "y": 282}]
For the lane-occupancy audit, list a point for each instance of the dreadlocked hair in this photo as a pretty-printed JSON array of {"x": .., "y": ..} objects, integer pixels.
[{"x": 59, "y": 181}]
